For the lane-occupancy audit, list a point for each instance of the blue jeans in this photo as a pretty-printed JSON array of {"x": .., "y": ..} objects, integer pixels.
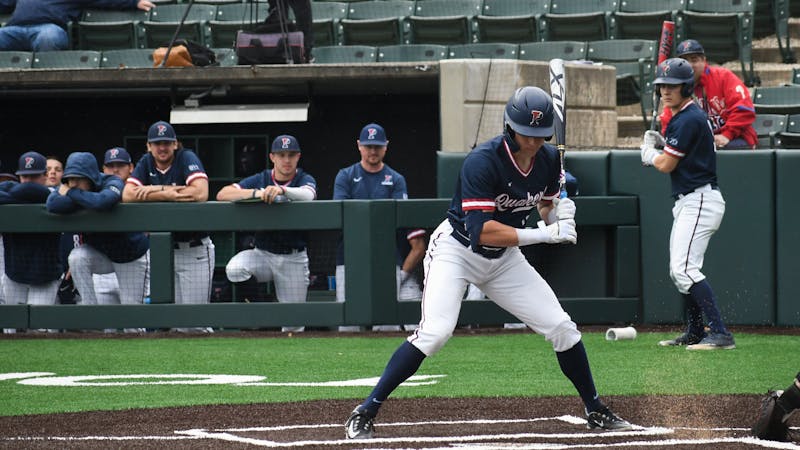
[{"x": 37, "y": 38}]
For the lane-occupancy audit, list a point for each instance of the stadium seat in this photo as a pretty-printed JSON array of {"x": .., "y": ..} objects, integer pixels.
[
  {"x": 164, "y": 21},
  {"x": 341, "y": 54},
  {"x": 412, "y": 52},
  {"x": 445, "y": 22},
  {"x": 790, "y": 138},
  {"x": 510, "y": 20},
  {"x": 777, "y": 99},
  {"x": 769, "y": 128},
  {"x": 642, "y": 19},
  {"x": 377, "y": 22},
  {"x": 327, "y": 17},
  {"x": 234, "y": 17},
  {"x": 585, "y": 20},
  {"x": 101, "y": 29},
  {"x": 772, "y": 17},
  {"x": 724, "y": 28},
  {"x": 133, "y": 58},
  {"x": 545, "y": 51},
  {"x": 217, "y": 2},
  {"x": 226, "y": 57},
  {"x": 15, "y": 60},
  {"x": 67, "y": 59},
  {"x": 795, "y": 76},
  {"x": 634, "y": 60},
  {"x": 488, "y": 50}
]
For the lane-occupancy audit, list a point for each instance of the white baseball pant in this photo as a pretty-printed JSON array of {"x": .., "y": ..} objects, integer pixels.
[
  {"x": 31, "y": 294},
  {"x": 697, "y": 216},
  {"x": 194, "y": 270},
  {"x": 510, "y": 281},
  {"x": 289, "y": 272},
  {"x": 84, "y": 261}
]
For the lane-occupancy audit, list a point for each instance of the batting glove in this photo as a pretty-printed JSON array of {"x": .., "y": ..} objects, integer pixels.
[
  {"x": 565, "y": 208},
  {"x": 561, "y": 231},
  {"x": 653, "y": 139},
  {"x": 649, "y": 155}
]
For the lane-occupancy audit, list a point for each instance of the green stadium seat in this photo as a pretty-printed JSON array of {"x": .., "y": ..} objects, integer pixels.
[
  {"x": 777, "y": 99},
  {"x": 769, "y": 128},
  {"x": 226, "y": 57},
  {"x": 545, "y": 51},
  {"x": 101, "y": 29},
  {"x": 128, "y": 58},
  {"x": 15, "y": 60},
  {"x": 488, "y": 50},
  {"x": 642, "y": 19},
  {"x": 584, "y": 20},
  {"x": 634, "y": 60},
  {"x": 164, "y": 21},
  {"x": 511, "y": 20},
  {"x": 327, "y": 26},
  {"x": 412, "y": 52},
  {"x": 445, "y": 22},
  {"x": 795, "y": 76},
  {"x": 345, "y": 54},
  {"x": 772, "y": 18},
  {"x": 377, "y": 22},
  {"x": 790, "y": 138},
  {"x": 724, "y": 28},
  {"x": 67, "y": 59},
  {"x": 234, "y": 17},
  {"x": 217, "y": 2}
]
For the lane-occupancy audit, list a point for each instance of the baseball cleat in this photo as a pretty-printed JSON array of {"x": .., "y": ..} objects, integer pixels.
[
  {"x": 684, "y": 339},
  {"x": 714, "y": 341},
  {"x": 358, "y": 426},
  {"x": 607, "y": 420}
]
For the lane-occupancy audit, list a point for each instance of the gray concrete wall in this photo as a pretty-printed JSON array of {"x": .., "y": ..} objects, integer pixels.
[{"x": 473, "y": 93}]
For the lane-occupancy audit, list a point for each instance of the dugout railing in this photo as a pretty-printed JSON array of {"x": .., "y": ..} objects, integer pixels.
[{"x": 609, "y": 249}]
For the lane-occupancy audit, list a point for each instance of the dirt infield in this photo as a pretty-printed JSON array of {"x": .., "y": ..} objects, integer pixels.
[{"x": 685, "y": 422}]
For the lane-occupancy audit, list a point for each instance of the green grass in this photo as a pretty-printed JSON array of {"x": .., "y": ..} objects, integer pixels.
[{"x": 475, "y": 366}]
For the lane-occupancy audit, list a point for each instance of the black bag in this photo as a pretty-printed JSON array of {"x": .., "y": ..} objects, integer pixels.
[
  {"x": 269, "y": 48},
  {"x": 200, "y": 54}
]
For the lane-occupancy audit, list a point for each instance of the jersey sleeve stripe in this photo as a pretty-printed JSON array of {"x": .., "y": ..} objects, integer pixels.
[
  {"x": 415, "y": 233},
  {"x": 477, "y": 203},
  {"x": 134, "y": 181},
  {"x": 195, "y": 176},
  {"x": 673, "y": 152}
]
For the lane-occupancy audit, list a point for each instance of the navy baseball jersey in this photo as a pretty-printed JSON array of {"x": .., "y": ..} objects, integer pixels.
[
  {"x": 30, "y": 258},
  {"x": 186, "y": 167},
  {"x": 279, "y": 241},
  {"x": 492, "y": 187},
  {"x": 119, "y": 247},
  {"x": 689, "y": 138},
  {"x": 354, "y": 182}
]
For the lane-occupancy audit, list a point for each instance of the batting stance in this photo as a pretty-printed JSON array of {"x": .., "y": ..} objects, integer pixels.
[
  {"x": 125, "y": 254},
  {"x": 279, "y": 255},
  {"x": 501, "y": 181},
  {"x": 167, "y": 173},
  {"x": 689, "y": 157}
]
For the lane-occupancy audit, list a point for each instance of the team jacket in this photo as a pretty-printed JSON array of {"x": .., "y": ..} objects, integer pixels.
[
  {"x": 186, "y": 167},
  {"x": 30, "y": 258},
  {"x": 726, "y": 101},
  {"x": 59, "y": 12},
  {"x": 106, "y": 192},
  {"x": 353, "y": 182},
  {"x": 280, "y": 241},
  {"x": 492, "y": 187}
]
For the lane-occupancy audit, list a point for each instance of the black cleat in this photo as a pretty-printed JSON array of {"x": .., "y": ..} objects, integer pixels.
[
  {"x": 358, "y": 426},
  {"x": 684, "y": 339},
  {"x": 607, "y": 420}
]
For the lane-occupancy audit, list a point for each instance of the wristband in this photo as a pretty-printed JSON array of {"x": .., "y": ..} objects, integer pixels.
[
  {"x": 528, "y": 236},
  {"x": 254, "y": 193}
]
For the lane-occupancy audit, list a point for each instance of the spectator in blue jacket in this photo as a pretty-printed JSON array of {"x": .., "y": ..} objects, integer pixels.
[
  {"x": 126, "y": 254},
  {"x": 32, "y": 265},
  {"x": 41, "y": 25}
]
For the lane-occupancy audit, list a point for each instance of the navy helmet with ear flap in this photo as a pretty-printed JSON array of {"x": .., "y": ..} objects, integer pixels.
[
  {"x": 529, "y": 112},
  {"x": 675, "y": 71}
]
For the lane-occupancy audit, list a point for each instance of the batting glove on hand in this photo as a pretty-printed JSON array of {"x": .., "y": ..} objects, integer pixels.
[
  {"x": 653, "y": 139},
  {"x": 565, "y": 208},
  {"x": 561, "y": 231},
  {"x": 649, "y": 155}
]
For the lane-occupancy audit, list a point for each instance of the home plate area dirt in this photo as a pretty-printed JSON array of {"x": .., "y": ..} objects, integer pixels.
[{"x": 667, "y": 422}]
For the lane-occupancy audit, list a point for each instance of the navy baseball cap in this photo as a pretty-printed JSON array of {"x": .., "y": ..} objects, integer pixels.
[
  {"x": 32, "y": 163},
  {"x": 373, "y": 134},
  {"x": 689, "y": 47},
  {"x": 161, "y": 131},
  {"x": 285, "y": 143},
  {"x": 117, "y": 154}
]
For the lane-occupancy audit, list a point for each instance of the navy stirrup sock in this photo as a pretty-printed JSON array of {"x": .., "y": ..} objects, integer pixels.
[
  {"x": 575, "y": 366},
  {"x": 404, "y": 363},
  {"x": 703, "y": 295},
  {"x": 695, "y": 316}
]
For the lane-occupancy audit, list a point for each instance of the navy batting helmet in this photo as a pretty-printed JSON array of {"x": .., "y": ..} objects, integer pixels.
[
  {"x": 675, "y": 71},
  {"x": 529, "y": 112}
]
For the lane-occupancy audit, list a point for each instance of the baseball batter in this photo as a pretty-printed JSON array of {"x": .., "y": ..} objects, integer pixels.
[
  {"x": 501, "y": 182},
  {"x": 279, "y": 256},
  {"x": 689, "y": 157},
  {"x": 124, "y": 254},
  {"x": 168, "y": 173}
]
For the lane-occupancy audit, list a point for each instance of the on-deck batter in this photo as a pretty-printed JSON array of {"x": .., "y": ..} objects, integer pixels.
[{"x": 501, "y": 182}]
